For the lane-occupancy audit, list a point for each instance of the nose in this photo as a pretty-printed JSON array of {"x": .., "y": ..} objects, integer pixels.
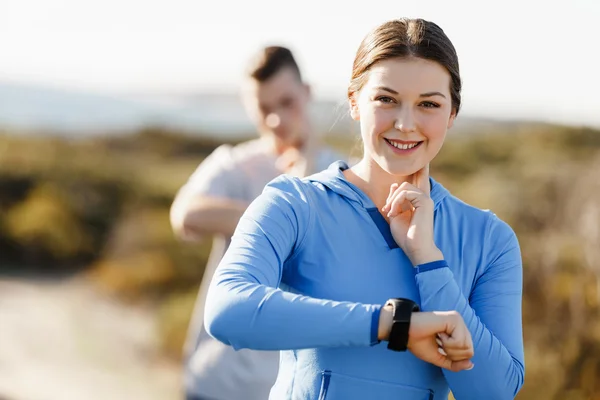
[
  {"x": 273, "y": 121},
  {"x": 405, "y": 120}
]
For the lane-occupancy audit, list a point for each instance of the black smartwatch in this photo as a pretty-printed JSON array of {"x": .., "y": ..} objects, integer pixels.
[{"x": 402, "y": 310}]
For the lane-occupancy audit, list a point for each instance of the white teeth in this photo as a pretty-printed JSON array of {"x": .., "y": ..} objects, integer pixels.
[{"x": 403, "y": 146}]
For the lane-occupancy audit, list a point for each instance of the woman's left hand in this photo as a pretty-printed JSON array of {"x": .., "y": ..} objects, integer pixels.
[{"x": 410, "y": 211}]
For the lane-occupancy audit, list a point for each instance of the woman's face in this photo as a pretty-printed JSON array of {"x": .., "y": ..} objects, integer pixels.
[{"x": 404, "y": 109}]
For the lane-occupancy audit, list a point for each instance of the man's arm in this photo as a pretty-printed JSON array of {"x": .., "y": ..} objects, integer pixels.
[
  {"x": 211, "y": 201},
  {"x": 210, "y": 209},
  {"x": 197, "y": 215}
]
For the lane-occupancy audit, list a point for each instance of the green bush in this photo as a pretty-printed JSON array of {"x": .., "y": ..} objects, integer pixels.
[{"x": 103, "y": 204}]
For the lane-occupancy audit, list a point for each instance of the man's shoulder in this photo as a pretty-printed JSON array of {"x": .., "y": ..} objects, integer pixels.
[
  {"x": 235, "y": 154},
  {"x": 250, "y": 148}
]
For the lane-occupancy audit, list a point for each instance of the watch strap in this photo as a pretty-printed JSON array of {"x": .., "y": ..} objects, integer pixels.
[{"x": 402, "y": 310}]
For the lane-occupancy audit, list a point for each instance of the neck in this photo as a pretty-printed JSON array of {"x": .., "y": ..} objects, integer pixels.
[
  {"x": 373, "y": 180},
  {"x": 302, "y": 143},
  {"x": 277, "y": 147}
]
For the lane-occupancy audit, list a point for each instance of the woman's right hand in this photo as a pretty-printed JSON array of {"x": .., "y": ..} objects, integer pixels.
[{"x": 441, "y": 338}]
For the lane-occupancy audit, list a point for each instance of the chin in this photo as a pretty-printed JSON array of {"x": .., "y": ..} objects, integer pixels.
[
  {"x": 290, "y": 139},
  {"x": 400, "y": 168}
]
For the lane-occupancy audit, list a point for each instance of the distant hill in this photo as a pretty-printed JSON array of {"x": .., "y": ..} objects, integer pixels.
[{"x": 68, "y": 112}]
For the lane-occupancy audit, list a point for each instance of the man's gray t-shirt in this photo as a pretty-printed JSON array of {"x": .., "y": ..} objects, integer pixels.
[{"x": 212, "y": 369}]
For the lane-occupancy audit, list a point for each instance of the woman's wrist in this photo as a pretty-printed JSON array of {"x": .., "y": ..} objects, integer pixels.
[
  {"x": 385, "y": 322},
  {"x": 427, "y": 256}
]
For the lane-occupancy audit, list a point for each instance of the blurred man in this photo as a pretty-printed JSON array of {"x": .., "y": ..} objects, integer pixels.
[{"x": 216, "y": 196}]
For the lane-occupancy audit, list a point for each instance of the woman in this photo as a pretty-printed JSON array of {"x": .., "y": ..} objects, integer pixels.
[{"x": 326, "y": 267}]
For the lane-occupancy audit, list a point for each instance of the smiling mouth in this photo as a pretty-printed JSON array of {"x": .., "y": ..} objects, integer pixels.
[{"x": 403, "y": 146}]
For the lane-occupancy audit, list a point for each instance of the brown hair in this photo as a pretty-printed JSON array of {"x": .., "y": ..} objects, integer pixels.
[
  {"x": 269, "y": 61},
  {"x": 406, "y": 38}
]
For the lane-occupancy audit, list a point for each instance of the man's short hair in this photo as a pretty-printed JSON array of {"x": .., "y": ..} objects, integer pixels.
[{"x": 269, "y": 61}]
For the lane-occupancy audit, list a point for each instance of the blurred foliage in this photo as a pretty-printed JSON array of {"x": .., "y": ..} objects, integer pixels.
[{"x": 101, "y": 206}]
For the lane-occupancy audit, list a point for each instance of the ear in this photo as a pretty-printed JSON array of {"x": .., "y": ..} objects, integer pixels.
[
  {"x": 451, "y": 119},
  {"x": 354, "y": 113}
]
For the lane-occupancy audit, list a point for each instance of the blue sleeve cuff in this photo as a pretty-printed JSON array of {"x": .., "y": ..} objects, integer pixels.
[
  {"x": 375, "y": 326},
  {"x": 431, "y": 266}
]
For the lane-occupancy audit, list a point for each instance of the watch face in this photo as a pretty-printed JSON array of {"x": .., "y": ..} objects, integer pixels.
[{"x": 402, "y": 309}]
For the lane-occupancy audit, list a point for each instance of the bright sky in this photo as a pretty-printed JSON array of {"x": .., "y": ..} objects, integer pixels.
[{"x": 519, "y": 58}]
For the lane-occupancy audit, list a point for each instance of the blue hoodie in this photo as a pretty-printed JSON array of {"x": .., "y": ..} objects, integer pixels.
[{"x": 313, "y": 260}]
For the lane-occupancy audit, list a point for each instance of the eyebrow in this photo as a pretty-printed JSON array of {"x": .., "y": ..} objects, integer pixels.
[{"x": 392, "y": 91}]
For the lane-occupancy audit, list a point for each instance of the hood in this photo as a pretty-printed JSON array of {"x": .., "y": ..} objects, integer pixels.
[{"x": 334, "y": 179}]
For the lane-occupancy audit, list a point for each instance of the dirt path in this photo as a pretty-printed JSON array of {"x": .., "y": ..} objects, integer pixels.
[{"x": 63, "y": 340}]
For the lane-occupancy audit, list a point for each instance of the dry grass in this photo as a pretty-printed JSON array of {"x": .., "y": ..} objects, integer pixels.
[{"x": 104, "y": 204}]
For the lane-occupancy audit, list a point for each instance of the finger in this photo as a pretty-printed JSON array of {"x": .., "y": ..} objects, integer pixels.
[
  {"x": 454, "y": 366},
  {"x": 400, "y": 204},
  {"x": 443, "y": 336},
  {"x": 394, "y": 203},
  {"x": 454, "y": 354},
  {"x": 457, "y": 346},
  {"x": 457, "y": 355},
  {"x": 460, "y": 343},
  {"x": 460, "y": 339},
  {"x": 393, "y": 188},
  {"x": 421, "y": 179},
  {"x": 464, "y": 365},
  {"x": 410, "y": 200}
]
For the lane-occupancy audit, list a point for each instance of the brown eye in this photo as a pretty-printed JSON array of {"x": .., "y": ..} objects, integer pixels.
[
  {"x": 384, "y": 99},
  {"x": 430, "y": 104}
]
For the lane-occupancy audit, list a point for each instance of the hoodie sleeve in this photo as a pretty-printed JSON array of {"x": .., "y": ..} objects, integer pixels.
[
  {"x": 246, "y": 309},
  {"x": 492, "y": 314}
]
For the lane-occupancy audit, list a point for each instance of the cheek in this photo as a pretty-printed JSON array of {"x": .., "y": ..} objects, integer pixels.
[
  {"x": 434, "y": 128},
  {"x": 295, "y": 113},
  {"x": 376, "y": 121},
  {"x": 298, "y": 110}
]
